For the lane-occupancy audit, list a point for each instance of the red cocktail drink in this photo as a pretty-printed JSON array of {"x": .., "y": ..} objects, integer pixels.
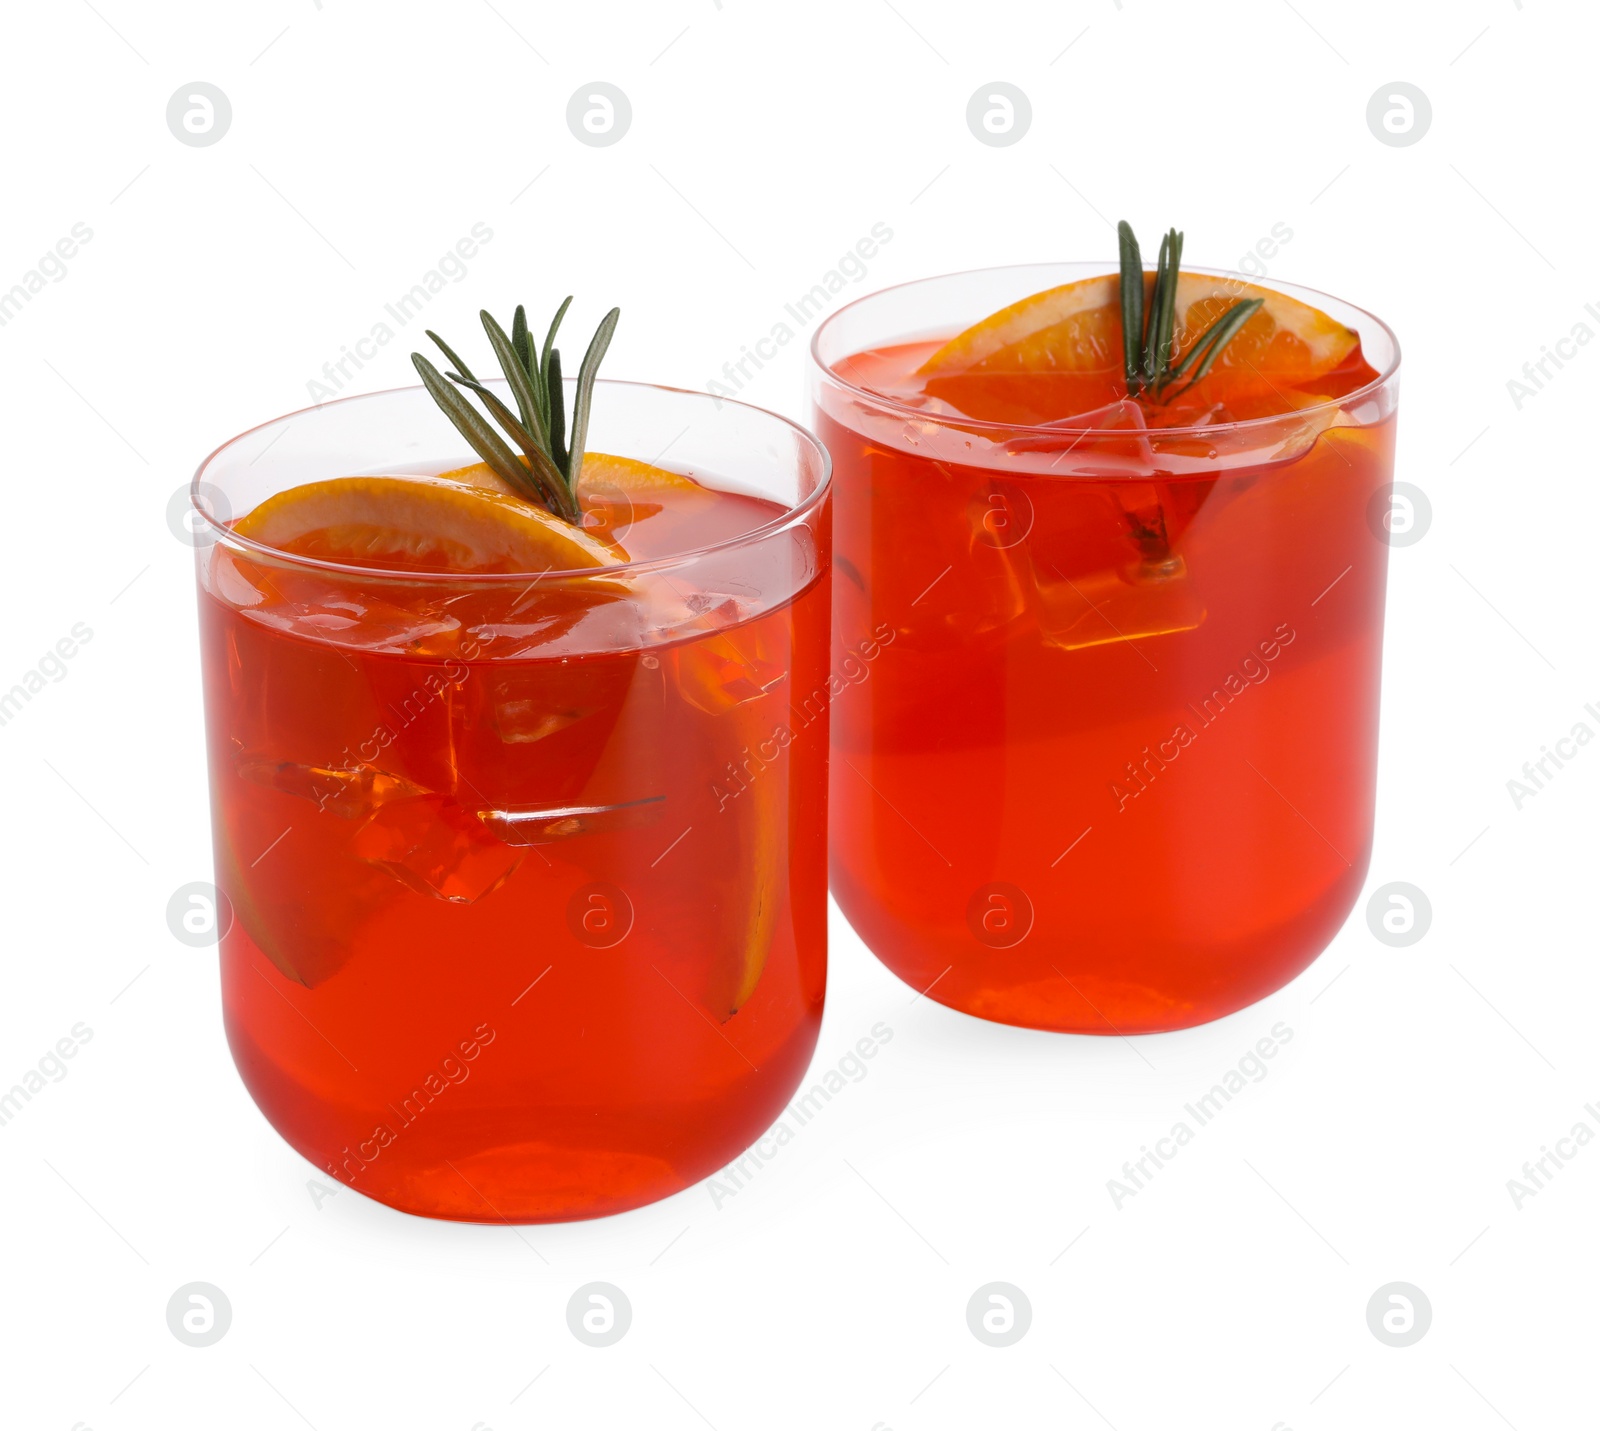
[
  {"x": 525, "y": 864},
  {"x": 1113, "y": 767}
]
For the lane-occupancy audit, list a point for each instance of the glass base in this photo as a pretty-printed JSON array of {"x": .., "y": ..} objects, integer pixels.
[
  {"x": 478, "y": 1151},
  {"x": 1048, "y": 981}
]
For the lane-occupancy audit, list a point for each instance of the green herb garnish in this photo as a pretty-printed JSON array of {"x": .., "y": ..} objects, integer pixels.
[
  {"x": 1149, "y": 341},
  {"x": 553, "y": 449}
]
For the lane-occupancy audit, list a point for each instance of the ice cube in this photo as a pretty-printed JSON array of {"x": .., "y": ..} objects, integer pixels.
[
  {"x": 534, "y": 700},
  {"x": 361, "y": 622},
  {"x": 1300, "y": 437},
  {"x": 724, "y": 605},
  {"x": 523, "y": 719},
  {"x": 1148, "y": 597},
  {"x": 603, "y": 623},
  {"x": 668, "y": 612},
  {"x": 719, "y": 673},
  {"x": 542, "y": 825},
  {"x": 554, "y": 735},
  {"x": 236, "y": 580},
  {"x": 347, "y": 792},
  {"x": 433, "y": 846},
  {"x": 504, "y": 639},
  {"x": 1084, "y": 449},
  {"x": 1103, "y": 556}
]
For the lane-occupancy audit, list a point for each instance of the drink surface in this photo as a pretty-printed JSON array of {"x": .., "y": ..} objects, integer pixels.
[
  {"x": 527, "y": 877},
  {"x": 997, "y": 390},
  {"x": 1113, "y": 770}
]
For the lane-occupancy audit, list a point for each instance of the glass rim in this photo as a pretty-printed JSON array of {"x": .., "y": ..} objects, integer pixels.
[
  {"x": 984, "y": 425},
  {"x": 798, "y": 511}
]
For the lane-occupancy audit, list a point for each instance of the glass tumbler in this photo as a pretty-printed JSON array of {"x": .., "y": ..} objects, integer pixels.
[
  {"x": 523, "y": 876},
  {"x": 1108, "y": 761}
]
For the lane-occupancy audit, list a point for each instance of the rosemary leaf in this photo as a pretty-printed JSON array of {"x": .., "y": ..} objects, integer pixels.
[
  {"x": 520, "y": 344},
  {"x": 546, "y": 485},
  {"x": 1163, "y": 316},
  {"x": 1208, "y": 347},
  {"x": 1170, "y": 345},
  {"x": 517, "y": 376},
  {"x": 584, "y": 395},
  {"x": 551, "y": 393},
  {"x": 484, "y": 440},
  {"x": 1150, "y": 340},
  {"x": 1132, "y": 304},
  {"x": 1226, "y": 327},
  {"x": 550, "y": 338},
  {"x": 1154, "y": 320},
  {"x": 558, "y": 415},
  {"x": 450, "y": 353},
  {"x": 552, "y": 448}
]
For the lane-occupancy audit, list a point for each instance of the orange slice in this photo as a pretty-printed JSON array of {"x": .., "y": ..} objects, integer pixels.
[
  {"x": 600, "y": 470},
  {"x": 421, "y": 524},
  {"x": 626, "y": 474},
  {"x": 1076, "y": 326},
  {"x": 613, "y": 492},
  {"x": 1059, "y": 353}
]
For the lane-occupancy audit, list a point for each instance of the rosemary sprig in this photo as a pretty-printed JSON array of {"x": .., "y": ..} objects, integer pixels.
[
  {"x": 1149, "y": 339},
  {"x": 551, "y": 454}
]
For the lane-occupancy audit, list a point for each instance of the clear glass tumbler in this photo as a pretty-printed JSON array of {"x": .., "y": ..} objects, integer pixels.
[
  {"x": 525, "y": 874},
  {"x": 1109, "y": 763}
]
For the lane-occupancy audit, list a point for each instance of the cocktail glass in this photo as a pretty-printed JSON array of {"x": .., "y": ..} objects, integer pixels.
[
  {"x": 1110, "y": 764},
  {"x": 523, "y": 875}
]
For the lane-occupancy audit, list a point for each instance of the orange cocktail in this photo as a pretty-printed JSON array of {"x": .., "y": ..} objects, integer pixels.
[
  {"x": 1113, "y": 766},
  {"x": 516, "y": 933}
]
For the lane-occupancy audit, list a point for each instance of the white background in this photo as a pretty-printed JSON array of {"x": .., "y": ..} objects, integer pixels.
[{"x": 831, "y": 1291}]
